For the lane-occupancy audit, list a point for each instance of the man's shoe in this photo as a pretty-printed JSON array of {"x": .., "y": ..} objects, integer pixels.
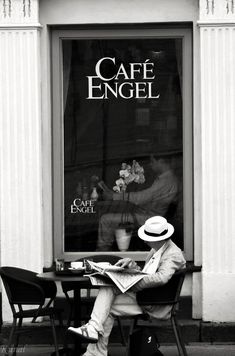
[{"x": 86, "y": 332}]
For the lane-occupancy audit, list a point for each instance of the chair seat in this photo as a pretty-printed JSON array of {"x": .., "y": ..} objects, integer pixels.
[
  {"x": 167, "y": 294},
  {"x": 30, "y": 313}
]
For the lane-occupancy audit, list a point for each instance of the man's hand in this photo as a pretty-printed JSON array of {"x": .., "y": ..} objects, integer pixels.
[{"x": 126, "y": 262}]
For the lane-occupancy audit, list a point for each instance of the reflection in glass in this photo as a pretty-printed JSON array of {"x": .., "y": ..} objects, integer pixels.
[{"x": 101, "y": 134}]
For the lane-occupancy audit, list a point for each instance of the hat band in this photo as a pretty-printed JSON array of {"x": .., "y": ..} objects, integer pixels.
[{"x": 154, "y": 234}]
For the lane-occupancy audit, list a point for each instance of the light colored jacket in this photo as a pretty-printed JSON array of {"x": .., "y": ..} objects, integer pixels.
[{"x": 171, "y": 260}]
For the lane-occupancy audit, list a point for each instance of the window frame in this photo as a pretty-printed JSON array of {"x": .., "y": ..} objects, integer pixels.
[{"x": 57, "y": 128}]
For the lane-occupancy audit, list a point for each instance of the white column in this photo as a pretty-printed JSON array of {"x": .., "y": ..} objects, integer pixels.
[
  {"x": 20, "y": 130},
  {"x": 217, "y": 38}
]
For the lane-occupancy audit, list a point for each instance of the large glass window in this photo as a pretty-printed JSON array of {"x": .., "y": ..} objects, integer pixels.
[{"x": 121, "y": 108}]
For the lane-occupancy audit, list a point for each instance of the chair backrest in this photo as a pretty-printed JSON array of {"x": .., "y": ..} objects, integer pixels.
[
  {"x": 20, "y": 286},
  {"x": 167, "y": 294},
  {"x": 49, "y": 287}
]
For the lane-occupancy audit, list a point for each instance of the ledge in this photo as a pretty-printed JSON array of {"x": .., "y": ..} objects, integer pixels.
[
  {"x": 20, "y": 26},
  {"x": 216, "y": 23},
  {"x": 192, "y": 331}
]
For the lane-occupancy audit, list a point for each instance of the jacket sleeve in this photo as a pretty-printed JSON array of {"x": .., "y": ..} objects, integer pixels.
[
  {"x": 160, "y": 190},
  {"x": 142, "y": 196},
  {"x": 167, "y": 268}
]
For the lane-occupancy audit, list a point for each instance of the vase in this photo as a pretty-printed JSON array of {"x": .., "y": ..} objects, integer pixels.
[
  {"x": 123, "y": 239},
  {"x": 94, "y": 194}
]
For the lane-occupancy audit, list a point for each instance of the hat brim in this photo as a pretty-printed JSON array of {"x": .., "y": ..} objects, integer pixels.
[{"x": 148, "y": 238}]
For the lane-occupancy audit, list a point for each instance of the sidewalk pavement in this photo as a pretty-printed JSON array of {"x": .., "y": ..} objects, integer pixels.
[
  {"x": 197, "y": 349},
  {"x": 192, "y": 350}
]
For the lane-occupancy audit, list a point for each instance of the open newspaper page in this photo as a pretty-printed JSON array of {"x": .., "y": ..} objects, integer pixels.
[
  {"x": 100, "y": 280},
  {"x": 123, "y": 278}
]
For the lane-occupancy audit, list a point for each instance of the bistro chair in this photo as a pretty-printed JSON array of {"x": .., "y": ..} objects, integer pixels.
[
  {"x": 168, "y": 294},
  {"x": 88, "y": 301},
  {"x": 24, "y": 288}
]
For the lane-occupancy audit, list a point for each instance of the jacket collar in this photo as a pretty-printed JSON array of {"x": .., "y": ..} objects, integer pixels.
[{"x": 153, "y": 251}]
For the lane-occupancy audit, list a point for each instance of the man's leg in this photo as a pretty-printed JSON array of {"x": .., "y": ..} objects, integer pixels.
[
  {"x": 100, "y": 312},
  {"x": 107, "y": 225},
  {"x": 102, "y": 307},
  {"x": 123, "y": 305}
]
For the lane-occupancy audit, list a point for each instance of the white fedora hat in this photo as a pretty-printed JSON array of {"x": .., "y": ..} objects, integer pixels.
[{"x": 155, "y": 229}]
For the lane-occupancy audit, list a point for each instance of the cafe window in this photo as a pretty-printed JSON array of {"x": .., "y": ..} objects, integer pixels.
[{"x": 122, "y": 129}]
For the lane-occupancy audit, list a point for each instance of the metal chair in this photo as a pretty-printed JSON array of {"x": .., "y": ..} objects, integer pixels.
[
  {"x": 24, "y": 288},
  {"x": 89, "y": 300},
  {"x": 168, "y": 294}
]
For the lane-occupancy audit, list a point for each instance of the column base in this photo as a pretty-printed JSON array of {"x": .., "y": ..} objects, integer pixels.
[{"x": 218, "y": 302}]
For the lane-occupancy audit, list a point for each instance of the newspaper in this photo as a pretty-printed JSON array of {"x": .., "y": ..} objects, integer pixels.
[{"x": 123, "y": 278}]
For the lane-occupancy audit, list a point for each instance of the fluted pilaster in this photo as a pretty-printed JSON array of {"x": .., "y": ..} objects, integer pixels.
[
  {"x": 20, "y": 130},
  {"x": 217, "y": 37}
]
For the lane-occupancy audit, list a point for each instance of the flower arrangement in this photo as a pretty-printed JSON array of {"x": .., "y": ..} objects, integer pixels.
[{"x": 128, "y": 174}]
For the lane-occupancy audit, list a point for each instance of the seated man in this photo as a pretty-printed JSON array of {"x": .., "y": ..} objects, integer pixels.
[
  {"x": 152, "y": 201},
  {"x": 161, "y": 263}
]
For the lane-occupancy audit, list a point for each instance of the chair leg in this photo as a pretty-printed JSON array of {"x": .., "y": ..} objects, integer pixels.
[
  {"x": 179, "y": 341},
  {"x": 54, "y": 335},
  {"x": 10, "y": 336},
  {"x": 17, "y": 336},
  {"x": 70, "y": 317},
  {"x": 61, "y": 324},
  {"x": 121, "y": 331},
  {"x": 67, "y": 350},
  {"x": 132, "y": 327},
  {"x": 71, "y": 309},
  {"x": 65, "y": 333}
]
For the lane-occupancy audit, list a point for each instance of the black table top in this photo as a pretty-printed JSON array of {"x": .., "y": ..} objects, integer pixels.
[{"x": 53, "y": 276}]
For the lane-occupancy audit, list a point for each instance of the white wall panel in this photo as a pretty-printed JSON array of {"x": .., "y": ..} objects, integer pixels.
[
  {"x": 20, "y": 146},
  {"x": 20, "y": 137},
  {"x": 117, "y": 11},
  {"x": 218, "y": 170},
  {"x": 218, "y": 143}
]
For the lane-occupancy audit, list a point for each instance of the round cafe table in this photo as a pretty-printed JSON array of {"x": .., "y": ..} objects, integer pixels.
[{"x": 80, "y": 282}]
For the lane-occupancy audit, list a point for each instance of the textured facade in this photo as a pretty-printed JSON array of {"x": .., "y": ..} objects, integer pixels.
[{"x": 25, "y": 124}]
